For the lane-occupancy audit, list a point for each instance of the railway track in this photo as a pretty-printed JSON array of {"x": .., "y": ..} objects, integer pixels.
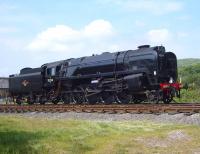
[{"x": 114, "y": 108}]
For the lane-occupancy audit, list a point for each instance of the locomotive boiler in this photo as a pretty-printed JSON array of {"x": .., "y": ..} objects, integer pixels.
[{"x": 147, "y": 74}]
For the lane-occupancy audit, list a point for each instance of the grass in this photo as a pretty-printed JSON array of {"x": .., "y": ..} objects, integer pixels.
[
  {"x": 189, "y": 96},
  {"x": 20, "y": 135}
]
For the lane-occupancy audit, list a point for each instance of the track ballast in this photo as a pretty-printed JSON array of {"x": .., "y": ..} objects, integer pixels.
[{"x": 114, "y": 108}]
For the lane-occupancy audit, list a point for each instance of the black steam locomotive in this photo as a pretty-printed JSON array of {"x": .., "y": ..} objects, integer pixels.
[{"x": 132, "y": 76}]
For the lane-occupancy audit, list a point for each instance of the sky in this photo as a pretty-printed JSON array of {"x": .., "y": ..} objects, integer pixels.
[{"x": 36, "y": 32}]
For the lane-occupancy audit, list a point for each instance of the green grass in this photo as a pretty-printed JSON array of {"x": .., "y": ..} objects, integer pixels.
[
  {"x": 20, "y": 135},
  {"x": 189, "y": 96}
]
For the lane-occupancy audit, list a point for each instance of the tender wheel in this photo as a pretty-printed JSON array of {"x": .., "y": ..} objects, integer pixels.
[
  {"x": 42, "y": 100},
  {"x": 19, "y": 100},
  {"x": 55, "y": 101},
  {"x": 30, "y": 100}
]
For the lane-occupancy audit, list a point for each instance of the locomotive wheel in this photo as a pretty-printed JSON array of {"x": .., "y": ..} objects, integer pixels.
[
  {"x": 66, "y": 99},
  {"x": 137, "y": 101},
  {"x": 78, "y": 98},
  {"x": 152, "y": 97},
  {"x": 82, "y": 98},
  {"x": 92, "y": 99},
  {"x": 80, "y": 95},
  {"x": 108, "y": 98},
  {"x": 124, "y": 98},
  {"x": 69, "y": 99},
  {"x": 100, "y": 100},
  {"x": 167, "y": 99},
  {"x": 72, "y": 99}
]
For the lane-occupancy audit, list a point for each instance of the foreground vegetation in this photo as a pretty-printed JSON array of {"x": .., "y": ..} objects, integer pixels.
[
  {"x": 189, "y": 96},
  {"x": 189, "y": 73},
  {"x": 32, "y": 135}
]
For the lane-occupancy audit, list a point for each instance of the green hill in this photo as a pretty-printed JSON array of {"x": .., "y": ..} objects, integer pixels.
[
  {"x": 189, "y": 72},
  {"x": 188, "y": 62}
]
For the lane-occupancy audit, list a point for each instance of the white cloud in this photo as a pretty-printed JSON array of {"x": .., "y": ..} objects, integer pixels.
[
  {"x": 63, "y": 38},
  {"x": 98, "y": 28},
  {"x": 157, "y": 7},
  {"x": 172, "y": 40},
  {"x": 159, "y": 36}
]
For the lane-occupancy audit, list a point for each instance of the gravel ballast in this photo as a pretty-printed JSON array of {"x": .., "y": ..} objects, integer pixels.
[{"x": 181, "y": 118}]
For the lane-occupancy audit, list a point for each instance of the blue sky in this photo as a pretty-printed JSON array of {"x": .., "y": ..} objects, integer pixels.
[{"x": 36, "y": 32}]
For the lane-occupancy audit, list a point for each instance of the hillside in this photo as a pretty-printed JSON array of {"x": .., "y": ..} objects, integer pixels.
[
  {"x": 189, "y": 71},
  {"x": 188, "y": 62}
]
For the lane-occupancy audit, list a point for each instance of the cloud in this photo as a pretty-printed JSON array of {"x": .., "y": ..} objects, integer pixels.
[
  {"x": 98, "y": 28},
  {"x": 63, "y": 38},
  {"x": 159, "y": 36},
  {"x": 165, "y": 36},
  {"x": 173, "y": 41},
  {"x": 151, "y": 6}
]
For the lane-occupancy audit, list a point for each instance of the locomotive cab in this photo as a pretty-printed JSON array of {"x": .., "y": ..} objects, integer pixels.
[{"x": 51, "y": 73}]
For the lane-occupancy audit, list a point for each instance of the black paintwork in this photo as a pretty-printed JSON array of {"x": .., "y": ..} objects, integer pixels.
[
  {"x": 132, "y": 70},
  {"x": 28, "y": 81}
]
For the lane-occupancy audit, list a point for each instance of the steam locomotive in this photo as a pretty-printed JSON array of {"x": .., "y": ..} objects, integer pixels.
[{"x": 147, "y": 74}]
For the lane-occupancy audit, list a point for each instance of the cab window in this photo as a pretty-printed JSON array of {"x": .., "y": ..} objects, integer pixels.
[
  {"x": 51, "y": 71},
  {"x": 58, "y": 70},
  {"x": 48, "y": 71}
]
